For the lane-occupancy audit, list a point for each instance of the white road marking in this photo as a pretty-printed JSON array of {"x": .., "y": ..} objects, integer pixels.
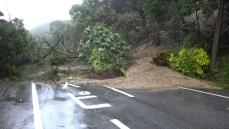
[
  {"x": 84, "y": 93},
  {"x": 72, "y": 85},
  {"x": 119, "y": 124},
  {"x": 36, "y": 111},
  {"x": 119, "y": 91},
  {"x": 65, "y": 86},
  {"x": 84, "y": 106},
  {"x": 203, "y": 92}
]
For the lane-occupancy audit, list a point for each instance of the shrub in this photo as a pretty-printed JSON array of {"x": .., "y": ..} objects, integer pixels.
[
  {"x": 57, "y": 59},
  {"x": 190, "y": 61},
  {"x": 13, "y": 47},
  {"x": 104, "y": 50},
  {"x": 55, "y": 73},
  {"x": 162, "y": 58},
  {"x": 220, "y": 74},
  {"x": 55, "y": 70}
]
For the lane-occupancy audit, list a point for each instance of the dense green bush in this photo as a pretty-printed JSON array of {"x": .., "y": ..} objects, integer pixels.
[
  {"x": 162, "y": 58},
  {"x": 190, "y": 61},
  {"x": 13, "y": 47},
  {"x": 57, "y": 59},
  {"x": 104, "y": 50}
]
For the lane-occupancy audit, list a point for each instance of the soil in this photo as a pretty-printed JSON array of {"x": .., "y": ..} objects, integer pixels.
[{"x": 142, "y": 74}]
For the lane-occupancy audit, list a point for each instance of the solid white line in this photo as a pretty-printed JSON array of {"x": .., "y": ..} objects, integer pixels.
[
  {"x": 36, "y": 111},
  {"x": 203, "y": 92},
  {"x": 84, "y": 106},
  {"x": 119, "y": 124},
  {"x": 119, "y": 91}
]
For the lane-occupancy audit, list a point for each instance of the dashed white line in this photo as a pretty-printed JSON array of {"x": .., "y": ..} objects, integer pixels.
[
  {"x": 36, "y": 111},
  {"x": 84, "y": 106},
  {"x": 203, "y": 92},
  {"x": 119, "y": 124},
  {"x": 119, "y": 91}
]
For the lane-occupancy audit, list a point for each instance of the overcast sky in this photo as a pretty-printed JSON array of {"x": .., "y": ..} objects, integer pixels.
[{"x": 37, "y": 12}]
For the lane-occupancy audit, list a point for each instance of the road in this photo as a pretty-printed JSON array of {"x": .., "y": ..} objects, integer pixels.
[{"x": 67, "y": 106}]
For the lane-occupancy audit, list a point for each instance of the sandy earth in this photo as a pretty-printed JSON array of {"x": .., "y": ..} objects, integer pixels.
[{"x": 142, "y": 74}]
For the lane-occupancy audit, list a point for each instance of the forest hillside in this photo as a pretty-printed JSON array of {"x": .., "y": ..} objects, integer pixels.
[{"x": 125, "y": 43}]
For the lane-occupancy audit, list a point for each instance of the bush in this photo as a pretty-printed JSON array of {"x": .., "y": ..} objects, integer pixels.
[
  {"x": 220, "y": 73},
  {"x": 104, "y": 50},
  {"x": 55, "y": 71},
  {"x": 190, "y": 61},
  {"x": 13, "y": 47},
  {"x": 57, "y": 59},
  {"x": 162, "y": 58}
]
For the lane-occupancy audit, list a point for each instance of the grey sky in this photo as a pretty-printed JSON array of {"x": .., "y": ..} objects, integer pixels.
[{"x": 36, "y": 12}]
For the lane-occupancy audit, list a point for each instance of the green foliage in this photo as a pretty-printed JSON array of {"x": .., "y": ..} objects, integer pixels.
[
  {"x": 119, "y": 15},
  {"x": 190, "y": 61},
  {"x": 220, "y": 73},
  {"x": 195, "y": 40},
  {"x": 162, "y": 58},
  {"x": 104, "y": 50},
  {"x": 57, "y": 59},
  {"x": 13, "y": 47},
  {"x": 55, "y": 71},
  {"x": 157, "y": 10},
  {"x": 210, "y": 7},
  {"x": 184, "y": 7}
]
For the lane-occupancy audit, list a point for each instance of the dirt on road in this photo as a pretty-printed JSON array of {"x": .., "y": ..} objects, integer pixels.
[{"x": 142, "y": 74}]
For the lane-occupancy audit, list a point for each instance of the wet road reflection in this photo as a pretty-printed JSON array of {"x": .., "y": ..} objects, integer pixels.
[
  {"x": 81, "y": 107},
  {"x": 58, "y": 111}
]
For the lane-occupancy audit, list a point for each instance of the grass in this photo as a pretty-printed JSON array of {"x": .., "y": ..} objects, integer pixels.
[
  {"x": 222, "y": 83},
  {"x": 220, "y": 74}
]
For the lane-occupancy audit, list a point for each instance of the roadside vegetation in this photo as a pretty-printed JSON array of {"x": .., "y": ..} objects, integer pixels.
[
  {"x": 103, "y": 35},
  {"x": 14, "y": 47},
  {"x": 104, "y": 51}
]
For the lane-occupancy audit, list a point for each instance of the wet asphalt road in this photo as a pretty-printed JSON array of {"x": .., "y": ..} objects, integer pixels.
[{"x": 148, "y": 109}]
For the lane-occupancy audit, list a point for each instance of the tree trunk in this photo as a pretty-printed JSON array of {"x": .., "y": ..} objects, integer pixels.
[
  {"x": 197, "y": 18},
  {"x": 217, "y": 34}
]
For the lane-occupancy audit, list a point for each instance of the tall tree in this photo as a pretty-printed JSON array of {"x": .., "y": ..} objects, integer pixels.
[
  {"x": 217, "y": 33},
  {"x": 1, "y": 14}
]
